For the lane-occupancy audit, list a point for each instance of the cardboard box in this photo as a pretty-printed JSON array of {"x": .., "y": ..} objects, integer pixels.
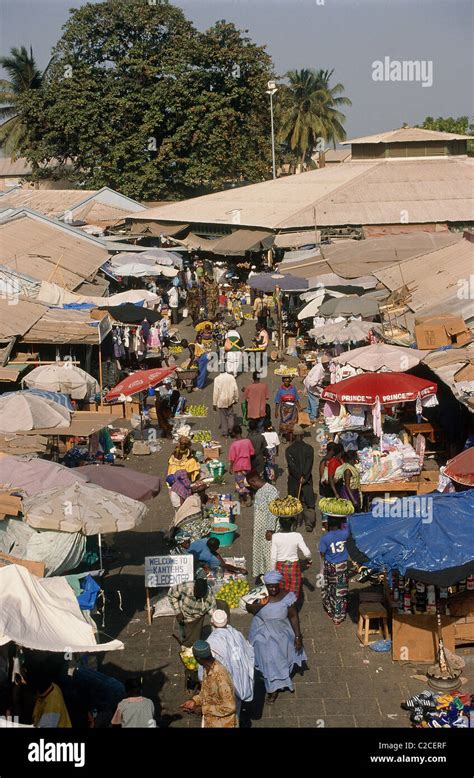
[
  {"x": 211, "y": 452},
  {"x": 414, "y": 637},
  {"x": 435, "y": 331}
]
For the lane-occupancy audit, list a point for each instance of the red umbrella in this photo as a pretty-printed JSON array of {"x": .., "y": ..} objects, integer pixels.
[
  {"x": 139, "y": 382},
  {"x": 388, "y": 388},
  {"x": 461, "y": 468}
]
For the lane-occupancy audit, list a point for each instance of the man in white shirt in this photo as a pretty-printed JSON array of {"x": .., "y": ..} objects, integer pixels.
[
  {"x": 313, "y": 385},
  {"x": 173, "y": 297},
  {"x": 225, "y": 395}
]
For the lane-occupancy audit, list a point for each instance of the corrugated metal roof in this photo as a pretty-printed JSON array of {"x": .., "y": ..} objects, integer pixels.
[
  {"x": 17, "y": 317},
  {"x": 438, "y": 282},
  {"x": 105, "y": 203},
  {"x": 365, "y": 192},
  {"x": 352, "y": 258},
  {"x": 407, "y": 135},
  {"x": 50, "y": 251}
]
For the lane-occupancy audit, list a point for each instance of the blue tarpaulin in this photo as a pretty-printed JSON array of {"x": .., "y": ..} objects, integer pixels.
[{"x": 431, "y": 532}]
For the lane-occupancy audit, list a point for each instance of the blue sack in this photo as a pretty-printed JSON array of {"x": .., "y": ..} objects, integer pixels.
[{"x": 88, "y": 597}]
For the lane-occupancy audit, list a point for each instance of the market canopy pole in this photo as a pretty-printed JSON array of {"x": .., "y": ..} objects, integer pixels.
[{"x": 280, "y": 322}]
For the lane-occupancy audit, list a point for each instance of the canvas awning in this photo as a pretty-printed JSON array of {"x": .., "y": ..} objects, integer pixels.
[
  {"x": 64, "y": 326},
  {"x": 43, "y": 614},
  {"x": 144, "y": 227},
  {"x": 235, "y": 244},
  {"x": 288, "y": 240},
  {"x": 17, "y": 317}
]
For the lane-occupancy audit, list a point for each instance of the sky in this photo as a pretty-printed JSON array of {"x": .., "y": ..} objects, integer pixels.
[{"x": 347, "y": 35}]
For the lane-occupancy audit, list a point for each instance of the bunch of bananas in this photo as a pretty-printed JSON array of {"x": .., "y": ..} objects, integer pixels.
[
  {"x": 288, "y": 506},
  {"x": 197, "y": 410},
  {"x": 202, "y": 436},
  {"x": 232, "y": 591},
  {"x": 336, "y": 505},
  {"x": 187, "y": 658},
  {"x": 176, "y": 349}
]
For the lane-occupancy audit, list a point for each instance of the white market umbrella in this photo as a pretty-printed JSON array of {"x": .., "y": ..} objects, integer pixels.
[
  {"x": 381, "y": 356},
  {"x": 311, "y": 309},
  {"x": 140, "y": 269},
  {"x": 132, "y": 296},
  {"x": 63, "y": 377},
  {"x": 21, "y": 412},
  {"x": 83, "y": 507}
]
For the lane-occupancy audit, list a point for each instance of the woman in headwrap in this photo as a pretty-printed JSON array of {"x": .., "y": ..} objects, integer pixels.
[
  {"x": 287, "y": 406},
  {"x": 182, "y": 458},
  {"x": 193, "y": 304},
  {"x": 276, "y": 637}
]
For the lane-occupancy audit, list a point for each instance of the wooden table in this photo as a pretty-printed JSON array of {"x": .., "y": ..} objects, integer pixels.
[
  {"x": 425, "y": 428},
  {"x": 420, "y": 485}
]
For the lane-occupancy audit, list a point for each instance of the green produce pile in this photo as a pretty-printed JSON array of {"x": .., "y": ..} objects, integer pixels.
[
  {"x": 202, "y": 436},
  {"x": 197, "y": 410},
  {"x": 289, "y": 506},
  {"x": 188, "y": 659},
  {"x": 232, "y": 591},
  {"x": 336, "y": 506}
]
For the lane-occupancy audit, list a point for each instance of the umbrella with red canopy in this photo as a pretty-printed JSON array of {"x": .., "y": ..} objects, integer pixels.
[
  {"x": 387, "y": 388},
  {"x": 461, "y": 468},
  {"x": 139, "y": 382}
]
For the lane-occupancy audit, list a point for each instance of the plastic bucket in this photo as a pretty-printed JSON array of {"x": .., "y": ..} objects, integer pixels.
[
  {"x": 216, "y": 468},
  {"x": 224, "y": 532}
]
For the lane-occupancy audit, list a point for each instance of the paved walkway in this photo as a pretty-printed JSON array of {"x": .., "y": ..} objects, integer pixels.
[{"x": 345, "y": 684}]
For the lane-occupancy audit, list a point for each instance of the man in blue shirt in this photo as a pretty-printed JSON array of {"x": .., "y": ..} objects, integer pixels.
[
  {"x": 333, "y": 550},
  {"x": 205, "y": 553}
]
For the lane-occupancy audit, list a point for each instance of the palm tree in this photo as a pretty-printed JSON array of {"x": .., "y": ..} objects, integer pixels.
[
  {"x": 24, "y": 75},
  {"x": 308, "y": 109}
]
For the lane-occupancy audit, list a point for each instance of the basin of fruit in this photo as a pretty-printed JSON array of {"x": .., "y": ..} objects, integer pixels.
[{"x": 232, "y": 591}]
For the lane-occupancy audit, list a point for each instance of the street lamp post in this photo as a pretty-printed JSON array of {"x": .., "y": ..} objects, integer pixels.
[{"x": 271, "y": 90}]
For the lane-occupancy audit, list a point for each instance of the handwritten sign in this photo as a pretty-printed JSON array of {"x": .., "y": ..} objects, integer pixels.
[{"x": 168, "y": 570}]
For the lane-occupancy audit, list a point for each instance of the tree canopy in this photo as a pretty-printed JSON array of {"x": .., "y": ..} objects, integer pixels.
[
  {"x": 141, "y": 101},
  {"x": 24, "y": 77},
  {"x": 308, "y": 109}
]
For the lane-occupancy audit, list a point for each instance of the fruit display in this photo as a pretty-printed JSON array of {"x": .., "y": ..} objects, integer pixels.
[
  {"x": 232, "y": 591},
  {"x": 197, "y": 410},
  {"x": 202, "y": 436},
  {"x": 187, "y": 658},
  {"x": 176, "y": 349},
  {"x": 287, "y": 506},
  {"x": 286, "y": 371},
  {"x": 336, "y": 506}
]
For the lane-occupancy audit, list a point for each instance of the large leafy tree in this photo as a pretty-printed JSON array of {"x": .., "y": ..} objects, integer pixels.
[
  {"x": 460, "y": 125},
  {"x": 308, "y": 109},
  {"x": 24, "y": 77},
  {"x": 142, "y": 102}
]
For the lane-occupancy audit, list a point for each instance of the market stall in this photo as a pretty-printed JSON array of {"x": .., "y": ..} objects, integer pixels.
[
  {"x": 355, "y": 411},
  {"x": 425, "y": 547}
]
